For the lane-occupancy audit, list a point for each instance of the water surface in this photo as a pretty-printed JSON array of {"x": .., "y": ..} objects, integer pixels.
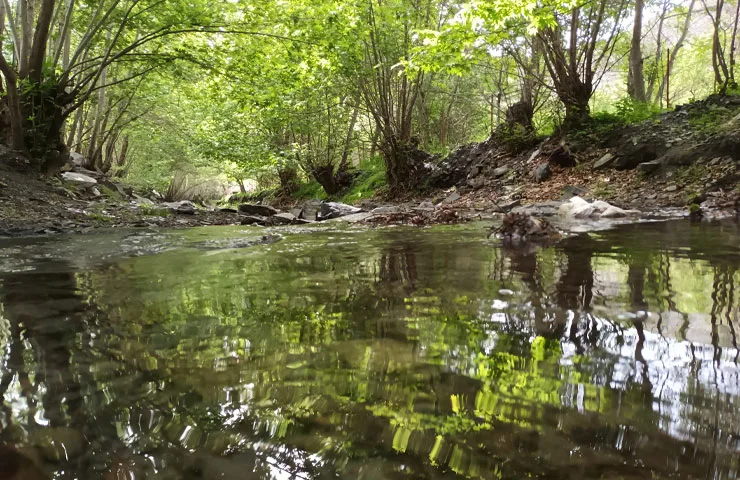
[{"x": 374, "y": 354}]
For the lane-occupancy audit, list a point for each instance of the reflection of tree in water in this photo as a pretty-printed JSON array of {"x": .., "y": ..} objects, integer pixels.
[
  {"x": 574, "y": 290},
  {"x": 44, "y": 312}
]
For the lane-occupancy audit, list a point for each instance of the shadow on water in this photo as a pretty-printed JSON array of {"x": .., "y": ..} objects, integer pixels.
[{"x": 390, "y": 354}]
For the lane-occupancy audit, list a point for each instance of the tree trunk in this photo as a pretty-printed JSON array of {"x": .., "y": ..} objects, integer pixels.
[
  {"x": 674, "y": 52},
  {"x": 343, "y": 164},
  {"x": 636, "y": 78},
  {"x": 121, "y": 161},
  {"x": 40, "y": 40}
]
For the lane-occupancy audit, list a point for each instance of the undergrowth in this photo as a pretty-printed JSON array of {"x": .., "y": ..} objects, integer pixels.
[{"x": 369, "y": 181}]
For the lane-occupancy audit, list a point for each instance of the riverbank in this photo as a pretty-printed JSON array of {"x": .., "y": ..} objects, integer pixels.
[{"x": 683, "y": 161}]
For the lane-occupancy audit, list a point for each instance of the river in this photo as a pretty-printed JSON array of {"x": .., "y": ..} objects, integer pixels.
[{"x": 395, "y": 353}]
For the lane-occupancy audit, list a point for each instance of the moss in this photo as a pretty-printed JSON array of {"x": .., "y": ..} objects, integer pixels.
[
  {"x": 99, "y": 217},
  {"x": 110, "y": 193},
  {"x": 370, "y": 181},
  {"x": 154, "y": 211},
  {"x": 711, "y": 120}
]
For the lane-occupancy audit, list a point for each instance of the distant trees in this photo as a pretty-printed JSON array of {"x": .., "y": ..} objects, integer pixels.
[{"x": 311, "y": 84}]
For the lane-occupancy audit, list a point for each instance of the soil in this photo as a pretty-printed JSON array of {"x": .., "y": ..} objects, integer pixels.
[{"x": 32, "y": 205}]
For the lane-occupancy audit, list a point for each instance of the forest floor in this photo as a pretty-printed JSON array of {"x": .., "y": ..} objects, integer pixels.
[{"x": 687, "y": 156}]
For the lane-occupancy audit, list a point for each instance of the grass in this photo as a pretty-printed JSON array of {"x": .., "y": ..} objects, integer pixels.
[
  {"x": 367, "y": 184},
  {"x": 110, "y": 193},
  {"x": 154, "y": 211},
  {"x": 99, "y": 217}
]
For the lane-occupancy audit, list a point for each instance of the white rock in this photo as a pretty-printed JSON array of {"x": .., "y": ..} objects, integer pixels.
[
  {"x": 78, "y": 159},
  {"x": 79, "y": 179},
  {"x": 577, "y": 207}
]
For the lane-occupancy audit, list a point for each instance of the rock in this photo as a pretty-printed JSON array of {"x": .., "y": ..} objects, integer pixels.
[
  {"x": 519, "y": 228},
  {"x": 95, "y": 192},
  {"x": 649, "y": 167},
  {"x": 77, "y": 159},
  {"x": 59, "y": 443},
  {"x": 477, "y": 182},
  {"x": 89, "y": 173},
  {"x": 261, "y": 210},
  {"x": 353, "y": 218},
  {"x": 501, "y": 171},
  {"x": 296, "y": 212},
  {"x": 425, "y": 207},
  {"x": 281, "y": 219},
  {"x": 139, "y": 200},
  {"x": 310, "y": 210},
  {"x": 534, "y": 155},
  {"x": 562, "y": 157},
  {"x": 570, "y": 191},
  {"x": 389, "y": 210},
  {"x": 330, "y": 210},
  {"x": 505, "y": 207},
  {"x": 185, "y": 207},
  {"x": 671, "y": 188},
  {"x": 453, "y": 197},
  {"x": 542, "y": 173},
  {"x": 474, "y": 172},
  {"x": 604, "y": 162},
  {"x": 252, "y": 220},
  {"x": 67, "y": 167},
  {"x": 79, "y": 179},
  {"x": 228, "y": 210},
  {"x": 614, "y": 212},
  {"x": 546, "y": 209},
  {"x": 579, "y": 208}
]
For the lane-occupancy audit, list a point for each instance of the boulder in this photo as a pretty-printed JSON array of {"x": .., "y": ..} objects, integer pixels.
[
  {"x": 89, "y": 173},
  {"x": 477, "y": 182},
  {"x": 546, "y": 209},
  {"x": 649, "y": 167},
  {"x": 281, "y": 219},
  {"x": 534, "y": 155},
  {"x": 310, "y": 210},
  {"x": 562, "y": 157},
  {"x": 542, "y": 173},
  {"x": 139, "y": 200},
  {"x": 520, "y": 228},
  {"x": 77, "y": 159},
  {"x": 260, "y": 210},
  {"x": 185, "y": 207},
  {"x": 453, "y": 197},
  {"x": 252, "y": 220},
  {"x": 605, "y": 162},
  {"x": 330, "y": 210},
  {"x": 79, "y": 179},
  {"x": 579, "y": 208}
]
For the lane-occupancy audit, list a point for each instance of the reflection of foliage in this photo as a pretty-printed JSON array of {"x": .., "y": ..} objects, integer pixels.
[{"x": 422, "y": 349}]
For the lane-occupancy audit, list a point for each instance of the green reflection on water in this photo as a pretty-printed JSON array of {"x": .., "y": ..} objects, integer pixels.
[{"x": 376, "y": 354}]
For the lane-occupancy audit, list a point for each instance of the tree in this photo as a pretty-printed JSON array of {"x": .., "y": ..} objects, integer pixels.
[
  {"x": 636, "y": 78},
  {"x": 577, "y": 49}
]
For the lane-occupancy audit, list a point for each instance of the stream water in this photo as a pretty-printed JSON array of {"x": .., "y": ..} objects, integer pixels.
[{"x": 374, "y": 354}]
